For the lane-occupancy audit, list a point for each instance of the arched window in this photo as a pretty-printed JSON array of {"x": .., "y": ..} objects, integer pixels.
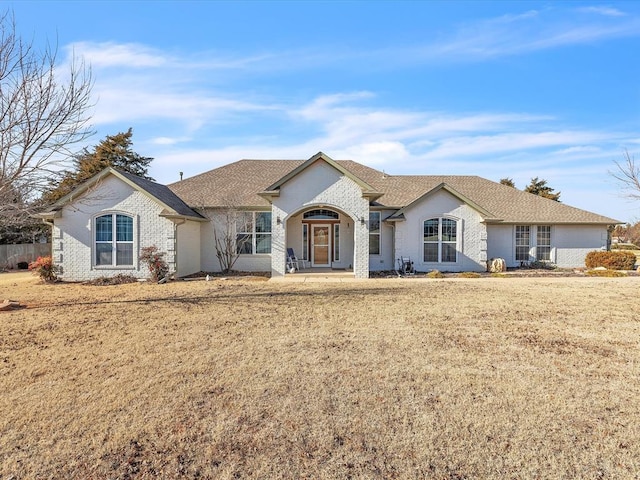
[
  {"x": 113, "y": 240},
  {"x": 440, "y": 240},
  {"x": 320, "y": 214}
]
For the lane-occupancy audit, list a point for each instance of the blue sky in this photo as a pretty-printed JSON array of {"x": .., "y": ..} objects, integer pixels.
[{"x": 496, "y": 89}]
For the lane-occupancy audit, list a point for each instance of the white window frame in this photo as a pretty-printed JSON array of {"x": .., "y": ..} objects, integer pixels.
[
  {"x": 547, "y": 246},
  {"x": 518, "y": 230},
  {"x": 253, "y": 233},
  {"x": 440, "y": 242},
  {"x": 114, "y": 242},
  {"x": 305, "y": 242},
  {"x": 378, "y": 233}
]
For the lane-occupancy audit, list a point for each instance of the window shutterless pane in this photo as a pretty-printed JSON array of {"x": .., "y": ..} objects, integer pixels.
[
  {"x": 522, "y": 235},
  {"x": 104, "y": 228},
  {"x": 374, "y": 233},
  {"x": 243, "y": 243},
  {"x": 336, "y": 242},
  {"x": 104, "y": 255},
  {"x": 263, "y": 222},
  {"x": 374, "y": 222},
  {"x": 448, "y": 230},
  {"x": 544, "y": 235},
  {"x": 522, "y": 253},
  {"x": 305, "y": 241},
  {"x": 448, "y": 252},
  {"x": 431, "y": 230},
  {"x": 124, "y": 254},
  {"x": 124, "y": 229},
  {"x": 543, "y": 253},
  {"x": 263, "y": 243},
  {"x": 244, "y": 222},
  {"x": 430, "y": 252},
  {"x": 374, "y": 244}
]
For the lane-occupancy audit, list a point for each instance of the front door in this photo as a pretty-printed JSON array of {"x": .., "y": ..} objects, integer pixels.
[{"x": 320, "y": 245}]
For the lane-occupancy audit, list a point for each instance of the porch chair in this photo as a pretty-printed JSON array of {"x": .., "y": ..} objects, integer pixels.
[
  {"x": 405, "y": 267},
  {"x": 293, "y": 262}
]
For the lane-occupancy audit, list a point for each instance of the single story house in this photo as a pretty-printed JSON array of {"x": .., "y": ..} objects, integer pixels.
[{"x": 333, "y": 214}]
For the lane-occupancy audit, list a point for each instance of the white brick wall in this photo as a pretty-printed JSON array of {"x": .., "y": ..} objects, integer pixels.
[
  {"x": 472, "y": 235},
  {"x": 74, "y": 249},
  {"x": 320, "y": 185},
  {"x": 569, "y": 243}
]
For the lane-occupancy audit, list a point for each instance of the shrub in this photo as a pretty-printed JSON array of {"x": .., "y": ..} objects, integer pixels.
[
  {"x": 118, "y": 279},
  {"x": 435, "y": 274},
  {"x": 542, "y": 265},
  {"x": 624, "y": 246},
  {"x": 469, "y": 275},
  {"x": 44, "y": 267},
  {"x": 606, "y": 273},
  {"x": 157, "y": 265},
  {"x": 621, "y": 260}
]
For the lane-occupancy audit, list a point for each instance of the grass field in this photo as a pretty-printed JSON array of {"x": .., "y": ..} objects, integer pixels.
[{"x": 446, "y": 379}]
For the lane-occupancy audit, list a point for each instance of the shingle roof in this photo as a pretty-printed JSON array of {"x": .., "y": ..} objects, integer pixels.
[
  {"x": 162, "y": 193},
  {"x": 238, "y": 184}
]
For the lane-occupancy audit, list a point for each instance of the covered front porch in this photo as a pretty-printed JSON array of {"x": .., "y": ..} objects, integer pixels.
[{"x": 319, "y": 240}]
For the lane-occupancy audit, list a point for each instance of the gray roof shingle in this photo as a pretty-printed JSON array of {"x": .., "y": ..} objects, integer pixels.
[
  {"x": 238, "y": 184},
  {"x": 162, "y": 193}
]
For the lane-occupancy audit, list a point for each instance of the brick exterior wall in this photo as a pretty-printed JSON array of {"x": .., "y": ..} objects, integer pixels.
[
  {"x": 471, "y": 241},
  {"x": 73, "y": 233},
  {"x": 322, "y": 186},
  {"x": 569, "y": 243}
]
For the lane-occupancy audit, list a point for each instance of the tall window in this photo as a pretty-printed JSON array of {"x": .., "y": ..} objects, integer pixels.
[
  {"x": 305, "y": 241},
  {"x": 523, "y": 243},
  {"x": 253, "y": 232},
  {"x": 543, "y": 243},
  {"x": 440, "y": 240},
  {"x": 336, "y": 242},
  {"x": 114, "y": 240},
  {"x": 374, "y": 233}
]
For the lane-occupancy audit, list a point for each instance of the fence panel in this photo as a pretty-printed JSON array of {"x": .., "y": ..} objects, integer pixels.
[{"x": 11, "y": 255}]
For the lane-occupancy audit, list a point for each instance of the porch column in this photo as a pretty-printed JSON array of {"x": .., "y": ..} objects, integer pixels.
[
  {"x": 278, "y": 242},
  {"x": 361, "y": 246}
]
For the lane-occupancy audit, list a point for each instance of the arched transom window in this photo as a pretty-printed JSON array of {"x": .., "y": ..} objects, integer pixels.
[
  {"x": 320, "y": 214},
  {"x": 440, "y": 240}
]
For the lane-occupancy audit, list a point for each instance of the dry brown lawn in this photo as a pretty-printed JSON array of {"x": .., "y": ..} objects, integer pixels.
[{"x": 445, "y": 379}]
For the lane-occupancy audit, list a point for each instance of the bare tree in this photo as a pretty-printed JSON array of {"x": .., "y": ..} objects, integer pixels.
[
  {"x": 231, "y": 235},
  {"x": 232, "y": 230},
  {"x": 628, "y": 174},
  {"x": 43, "y": 112}
]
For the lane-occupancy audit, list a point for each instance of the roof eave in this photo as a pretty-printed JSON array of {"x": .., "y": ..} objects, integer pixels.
[
  {"x": 177, "y": 216},
  {"x": 48, "y": 215},
  {"x": 269, "y": 195},
  {"x": 372, "y": 196}
]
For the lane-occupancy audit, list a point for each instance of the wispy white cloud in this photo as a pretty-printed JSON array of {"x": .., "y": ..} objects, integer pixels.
[
  {"x": 506, "y": 35},
  {"x": 603, "y": 10},
  {"x": 111, "y": 54},
  {"x": 529, "y": 32},
  {"x": 168, "y": 140}
]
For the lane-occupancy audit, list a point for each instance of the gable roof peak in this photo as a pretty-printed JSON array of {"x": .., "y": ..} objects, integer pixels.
[{"x": 367, "y": 189}]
